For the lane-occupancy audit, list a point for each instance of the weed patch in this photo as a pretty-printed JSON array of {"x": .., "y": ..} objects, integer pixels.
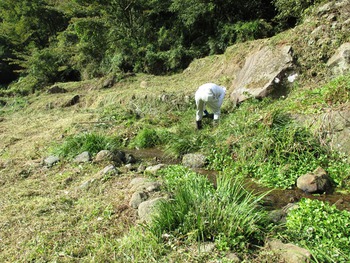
[
  {"x": 91, "y": 142},
  {"x": 320, "y": 227}
]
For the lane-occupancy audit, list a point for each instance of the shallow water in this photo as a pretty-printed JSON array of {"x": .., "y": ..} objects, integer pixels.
[{"x": 276, "y": 199}]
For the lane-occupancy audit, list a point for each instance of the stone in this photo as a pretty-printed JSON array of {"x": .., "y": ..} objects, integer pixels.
[
  {"x": 72, "y": 101},
  {"x": 137, "y": 198},
  {"x": 207, "y": 247},
  {"x": 340, "y": 61},
  {"x": 233, "y": 257},
  {"x": 55, "y": 89},
  {"x": 144, "y": 184},
  {"x": 314, "y": 182},
  {"x": 51, "y": 160},
  {"x": 87, "y": 184},
  {"x": 110, "y": 170},
  {"x": 84, "y": 157},
  {"x": 148, "y": 208},
  {"x": 130, "y": 159},
  {"x": 258, "y": 76},
  {"x": 107, "y": 156},
  {"x": 279, "y": 215},
  {"x": 108, "y": 82},
  {"x": 194, "y": 160},
  {"x": 152, "y": 170},
  {"x": 290, "y": 253}
]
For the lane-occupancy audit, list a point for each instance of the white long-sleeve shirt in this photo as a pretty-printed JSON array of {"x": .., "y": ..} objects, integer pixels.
[{"x": 210, "y": 95}]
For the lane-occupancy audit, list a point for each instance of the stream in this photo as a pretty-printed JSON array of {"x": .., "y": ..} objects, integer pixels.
[{"x": 276, "y": 199}]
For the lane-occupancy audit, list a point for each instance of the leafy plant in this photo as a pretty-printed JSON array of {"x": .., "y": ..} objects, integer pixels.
[{"x": 320, "y": 226}]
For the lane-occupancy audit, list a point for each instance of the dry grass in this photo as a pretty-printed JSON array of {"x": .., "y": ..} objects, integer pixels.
[{"x": 45, "y": 216}]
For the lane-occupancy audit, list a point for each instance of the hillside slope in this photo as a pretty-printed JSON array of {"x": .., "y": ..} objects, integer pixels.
[{"x": 46, "y": 217}]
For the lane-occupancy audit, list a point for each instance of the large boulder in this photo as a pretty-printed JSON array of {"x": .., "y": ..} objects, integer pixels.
[
  {"x": 289, "y": 253},
  {"x": 315, "y": 182},
  {"x": 263, "y": 73},
  {"x": 194, "y": 160},
  {"x": 147, "y": 209},
  {"x": 340, "y": 61}
]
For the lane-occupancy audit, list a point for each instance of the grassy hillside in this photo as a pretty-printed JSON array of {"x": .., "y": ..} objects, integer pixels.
[{"x": 46, "y": 216}]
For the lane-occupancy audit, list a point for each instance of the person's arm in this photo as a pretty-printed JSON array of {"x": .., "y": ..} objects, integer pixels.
[{"x": 221, "y": 98}]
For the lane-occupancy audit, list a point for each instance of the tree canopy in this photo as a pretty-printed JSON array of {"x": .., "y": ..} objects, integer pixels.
[{"x": 52, "y": 40}]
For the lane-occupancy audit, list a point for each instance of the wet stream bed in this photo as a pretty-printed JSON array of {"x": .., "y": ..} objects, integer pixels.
[{"x": 275, "y": 199}]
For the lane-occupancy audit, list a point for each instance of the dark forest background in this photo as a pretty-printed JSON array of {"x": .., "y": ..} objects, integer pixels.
[{"x": 46, "y": 41}]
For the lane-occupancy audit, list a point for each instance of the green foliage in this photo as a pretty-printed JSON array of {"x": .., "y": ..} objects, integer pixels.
[
  {"x": 320, "y": 227},
  {"x": 338, "y": 90},
  {"x": 30, "y": 22},
  {"x": 339, "y": 170},
  {"x": 251, "y": 30},
  {"x": 139, "y": 245},
  {"x": 292, "y": 10},
  {"x": 91, "y": 142},
  {"x": 197, "y": 211},
  {"x": 271, "y": 148},
  {"x": 98, "y": 37},
  {"x": 184, "y": 141},
  {"x": 146, "y": 138}
]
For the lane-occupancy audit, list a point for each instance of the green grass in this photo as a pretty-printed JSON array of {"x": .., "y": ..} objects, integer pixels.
[
  {"x": 227, "y": 215},
  {"x": 146, "y": 138},
  {"x": 76, "y": 144}
]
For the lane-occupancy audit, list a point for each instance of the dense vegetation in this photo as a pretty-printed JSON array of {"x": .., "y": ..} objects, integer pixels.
[{"x": 47, "y": 41}]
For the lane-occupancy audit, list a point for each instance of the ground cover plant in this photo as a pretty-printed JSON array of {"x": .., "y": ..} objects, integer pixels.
[
  {"x": 322, "y": 228},
  {"x": 262, "y": 139}
]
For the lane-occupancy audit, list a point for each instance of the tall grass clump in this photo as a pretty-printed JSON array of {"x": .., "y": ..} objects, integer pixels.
[
  {"x": 227, "y": 215},
  {"x": 320, "y": 226},
  {"x": 91, "y": 142},
  {"x": 146, "y": 138},
  {"x": 184, "y": 141}
]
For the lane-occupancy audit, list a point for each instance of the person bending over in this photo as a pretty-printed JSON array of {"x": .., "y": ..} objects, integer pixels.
[{"x": 212, "y": 96}]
